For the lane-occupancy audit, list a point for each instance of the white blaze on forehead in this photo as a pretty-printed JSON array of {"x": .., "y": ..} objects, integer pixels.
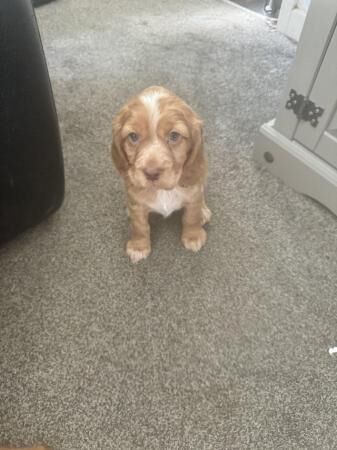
[{"x": 151, "y": 101}]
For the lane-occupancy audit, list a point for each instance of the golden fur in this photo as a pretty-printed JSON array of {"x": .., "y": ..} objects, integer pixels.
[{"x": 158, "y": 150}]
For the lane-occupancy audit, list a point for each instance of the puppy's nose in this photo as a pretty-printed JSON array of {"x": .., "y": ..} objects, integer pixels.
[{"x": 152, "y": 174}]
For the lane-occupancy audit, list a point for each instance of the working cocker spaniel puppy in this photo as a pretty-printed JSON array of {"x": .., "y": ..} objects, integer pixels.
[{"x": 158, "y": 149}]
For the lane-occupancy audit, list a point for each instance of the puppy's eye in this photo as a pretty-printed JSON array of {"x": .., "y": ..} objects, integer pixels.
[
  {"x": 174, "y": 137},
  {"x": 133, "y": 137}
]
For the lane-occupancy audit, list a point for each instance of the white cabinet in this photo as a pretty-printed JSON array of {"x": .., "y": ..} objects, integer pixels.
[
  {"x": 292, "y": 17},
  {"x": 300, "y": 145}
]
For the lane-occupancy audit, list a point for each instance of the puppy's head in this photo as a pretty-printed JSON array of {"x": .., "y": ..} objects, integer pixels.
[{"x": 157, "y": 141}]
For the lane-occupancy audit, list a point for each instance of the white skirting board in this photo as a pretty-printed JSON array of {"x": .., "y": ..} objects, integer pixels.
[{"x": 296, "y": 166}]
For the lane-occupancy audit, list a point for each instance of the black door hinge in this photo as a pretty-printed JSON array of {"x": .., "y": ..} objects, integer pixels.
[{"x": 304, "y": 108}]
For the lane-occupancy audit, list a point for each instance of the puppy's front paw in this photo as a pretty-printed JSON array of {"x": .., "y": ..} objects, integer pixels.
[
  {"x": 194, "y": 239},
  {"x": 138, "y": 250}
]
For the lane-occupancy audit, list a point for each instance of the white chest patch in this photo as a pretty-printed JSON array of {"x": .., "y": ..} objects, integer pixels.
[{"x": 167, "y": 201}]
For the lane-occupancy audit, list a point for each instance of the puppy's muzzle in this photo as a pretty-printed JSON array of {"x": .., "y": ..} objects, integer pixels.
[{"x": 152, "y": 174}]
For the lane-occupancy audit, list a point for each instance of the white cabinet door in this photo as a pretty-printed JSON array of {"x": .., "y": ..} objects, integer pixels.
[
  {"x": 323, "y": 95},
  {"x": 327, "y": 145},
  {"x": 312, "y": 49}
]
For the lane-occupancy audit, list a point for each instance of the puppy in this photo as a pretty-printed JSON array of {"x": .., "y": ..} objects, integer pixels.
[{"x": 158, "y": 150}]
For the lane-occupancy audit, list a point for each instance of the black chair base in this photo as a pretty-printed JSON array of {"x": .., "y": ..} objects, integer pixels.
[
  {"x": 31, "y": 163},
  {"x": 40, "y": 2}
]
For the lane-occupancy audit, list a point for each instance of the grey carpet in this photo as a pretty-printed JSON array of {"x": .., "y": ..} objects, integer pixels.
[{"x": 226, "y": 349}]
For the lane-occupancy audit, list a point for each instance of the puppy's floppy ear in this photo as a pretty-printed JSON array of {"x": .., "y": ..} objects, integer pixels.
[
  {"x": 118, "y": 155},
  {"x": 195, "y": 167}
]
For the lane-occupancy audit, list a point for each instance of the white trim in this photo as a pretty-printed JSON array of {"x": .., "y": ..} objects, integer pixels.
[
  {"x": 248, "y": 11},
  {"x": 298, "y": 167},
  {"x": 291, "y": 19}
]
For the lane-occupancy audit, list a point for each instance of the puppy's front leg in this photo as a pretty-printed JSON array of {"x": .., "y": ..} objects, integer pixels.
[
  {"x": 139, "y": 245},
  {"x": 193, "y": 235}
]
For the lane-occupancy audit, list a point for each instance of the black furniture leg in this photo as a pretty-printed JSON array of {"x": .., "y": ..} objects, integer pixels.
[
  {"x": 40, "y": 2},
  {"x": 31, "y": 163}
]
